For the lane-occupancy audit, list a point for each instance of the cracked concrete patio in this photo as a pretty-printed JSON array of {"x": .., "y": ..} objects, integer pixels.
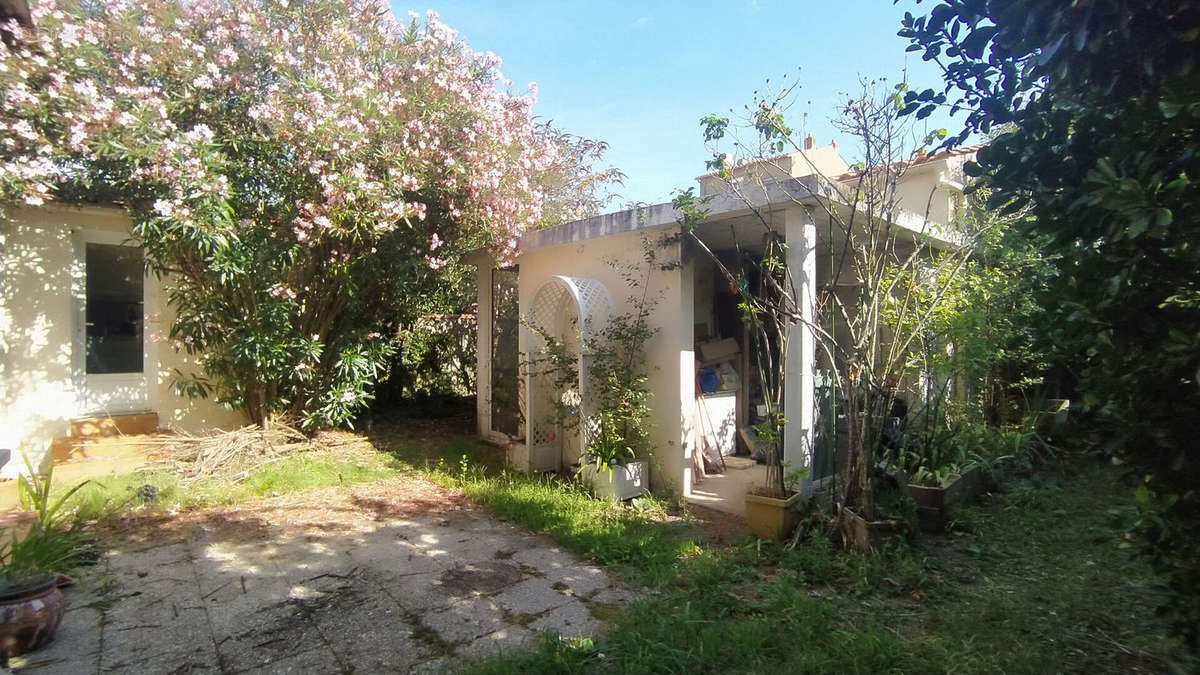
[{"x": 355, "y": 579}]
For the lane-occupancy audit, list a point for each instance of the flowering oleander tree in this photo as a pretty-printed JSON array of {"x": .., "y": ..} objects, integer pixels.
[{"x": 297, "y": 172}]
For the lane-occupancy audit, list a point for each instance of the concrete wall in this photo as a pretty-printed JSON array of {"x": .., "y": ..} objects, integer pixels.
[
  {"x": 669, "y": 353},
  {"x": 822, "y": 161},
  {"x": 39, "y": 278},
  {"x": 934, "y": 186}
]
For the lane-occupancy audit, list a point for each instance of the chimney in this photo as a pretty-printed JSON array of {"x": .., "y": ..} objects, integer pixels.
[
  {"x": 833, "y": 144},
  {"x": 809, "y": 142}
]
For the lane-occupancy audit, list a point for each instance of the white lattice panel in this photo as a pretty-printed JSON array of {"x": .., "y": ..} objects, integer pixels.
[{"x": 569, "y": 309}]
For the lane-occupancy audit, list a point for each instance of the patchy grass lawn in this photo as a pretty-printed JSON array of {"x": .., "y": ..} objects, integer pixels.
[
  {"x": 128, "y": 494},
  {"x": 1036, "y": 579}
]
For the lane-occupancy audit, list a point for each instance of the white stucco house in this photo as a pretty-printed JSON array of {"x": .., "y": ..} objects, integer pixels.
[
  {"x": 83, "y": 334},
  {"x": 83, "y": 328},
  {"x": 564, "y": 279}
]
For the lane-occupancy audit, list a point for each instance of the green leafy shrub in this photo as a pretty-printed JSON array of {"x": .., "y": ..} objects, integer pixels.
[
  {"x": 52, "y": 543},
  {"x": 618, "y": 426},
  {"x": 1096, "y": 104}
]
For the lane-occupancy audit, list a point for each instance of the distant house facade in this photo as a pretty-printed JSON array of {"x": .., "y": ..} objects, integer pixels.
[
  {"x": 567, "y": 280},
  {"x": 83, "y": 333}
]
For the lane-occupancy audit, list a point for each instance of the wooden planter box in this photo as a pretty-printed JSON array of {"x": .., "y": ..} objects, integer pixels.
[
  {"x": 1056, "y": 414},
  {"x": 934, "y": 502},
  {"x": 859, "y": 534},
  {"x": 772, "y": 518}
]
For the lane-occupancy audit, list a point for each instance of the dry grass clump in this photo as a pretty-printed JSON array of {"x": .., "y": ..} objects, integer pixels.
[{"x": 236, "y": 454}]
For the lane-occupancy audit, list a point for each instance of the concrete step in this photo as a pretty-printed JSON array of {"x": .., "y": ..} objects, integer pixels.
[
  {"x": 133, "y": 424},
  {"x": 86, "y": 431},
  {"x": 63, "y": 450}
]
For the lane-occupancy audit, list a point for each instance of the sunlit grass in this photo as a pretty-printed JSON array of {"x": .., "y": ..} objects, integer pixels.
[
  {"x": 1038, "y": 577},
  {"x": 160, "y": 491}
]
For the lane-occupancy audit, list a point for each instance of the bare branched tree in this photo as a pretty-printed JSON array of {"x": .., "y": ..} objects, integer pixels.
[{"x": 864, "y": 320}]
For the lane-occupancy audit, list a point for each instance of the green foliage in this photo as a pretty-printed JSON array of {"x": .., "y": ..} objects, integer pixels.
[
  {"x": 617, "y": 374},
  {"x": 1098, "y": 103},
  {"x": 618, "y": 424},
  {"x": 298, "y": 174},
  {"x": 52, "y": 544},
  {"x": 117, "y": 496},
  {"x": 33, "y": 494},
  {"x": 628, "y": 537},
  {"x": 945, "y": 438},
  {"x": 39, "y": 553},
  {"x": 974, "y": 317},
  {"x": 1058, "y": 586},
  {"x": 435, "y": 357}
]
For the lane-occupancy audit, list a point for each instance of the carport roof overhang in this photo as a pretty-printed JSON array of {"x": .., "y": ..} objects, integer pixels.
[{"x": 724, "y": 208}]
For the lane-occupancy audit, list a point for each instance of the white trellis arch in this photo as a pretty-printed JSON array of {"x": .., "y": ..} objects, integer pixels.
[{"x": 569, "y": 309}]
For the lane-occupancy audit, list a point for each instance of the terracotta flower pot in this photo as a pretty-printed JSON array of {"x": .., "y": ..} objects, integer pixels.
[{"x": 29, "y": 616}]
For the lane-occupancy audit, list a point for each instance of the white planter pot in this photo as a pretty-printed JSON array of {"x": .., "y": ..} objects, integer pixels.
[{"x": 625, "y": 482}]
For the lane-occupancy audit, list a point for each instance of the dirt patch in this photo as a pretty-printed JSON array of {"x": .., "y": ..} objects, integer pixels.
[
  {"x": 718, "y": 526},
  {"x": 481, "y": 577},
  {"x": 331, "y": 509}
]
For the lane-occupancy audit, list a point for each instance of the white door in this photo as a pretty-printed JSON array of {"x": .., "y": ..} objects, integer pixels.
[{"x": 112, "y": 362}]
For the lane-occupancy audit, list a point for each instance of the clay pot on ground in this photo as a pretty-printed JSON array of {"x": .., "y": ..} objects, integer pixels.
[{"x": 29, "y": 615}]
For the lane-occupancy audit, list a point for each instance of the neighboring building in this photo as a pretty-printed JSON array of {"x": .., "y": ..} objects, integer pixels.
[
  {"x": 83, "y": 333},
  {"x": 563, "y": 279}
]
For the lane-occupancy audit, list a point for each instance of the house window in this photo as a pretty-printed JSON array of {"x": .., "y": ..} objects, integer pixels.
[
  {"x": 113, "y": 309},
  {"x": 505, "y": 385}
]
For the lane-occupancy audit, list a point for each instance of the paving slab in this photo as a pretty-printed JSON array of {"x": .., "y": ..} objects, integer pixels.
[
  {"x": 571, "y": 620},
  {"x": 75, "y": 645},
  {"x": 532, "y": 596},
  {"x": 580, "y": 580},
  {"x": 419, "y": 592},
  {"x": 313, "y": 660},
  {"x": 465, "y": 619},
  {"x": 507, "y": 640}
]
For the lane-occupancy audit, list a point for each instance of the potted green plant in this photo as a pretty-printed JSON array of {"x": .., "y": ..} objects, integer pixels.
[
  {"x": 614, "y": 461},
  {"x": 611, "y": 465},
  {"x": 615, "y": 418},
  {"x": 773, "y": 512},
  {"x": 949, "y": 463},
  {"x": 937, "y": 491},
  {"x": 31, "y": 560}
]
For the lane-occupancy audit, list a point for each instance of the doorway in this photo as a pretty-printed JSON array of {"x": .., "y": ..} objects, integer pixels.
[{"x": 112, "y": 352}]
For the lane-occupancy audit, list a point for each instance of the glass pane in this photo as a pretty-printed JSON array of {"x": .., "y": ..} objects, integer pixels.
[
  {"x": 114, "y": 309},
  {"x": 506, "y": 405}
]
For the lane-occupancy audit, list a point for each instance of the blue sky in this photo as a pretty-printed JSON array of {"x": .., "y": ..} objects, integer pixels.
[{"x": 639, "y": 75}]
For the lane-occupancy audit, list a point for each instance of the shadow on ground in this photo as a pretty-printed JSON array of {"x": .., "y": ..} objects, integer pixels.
[{"x": 394, "y": 575}]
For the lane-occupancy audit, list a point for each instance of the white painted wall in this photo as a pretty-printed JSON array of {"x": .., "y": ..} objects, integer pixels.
[
  {"x": 38, "y": 317},
  {"x": 669, "y": 353},
  {"x": 824, "y": 161},
  {"x": 800, "y": 233},
  {"x": 933, "y": 189}
]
